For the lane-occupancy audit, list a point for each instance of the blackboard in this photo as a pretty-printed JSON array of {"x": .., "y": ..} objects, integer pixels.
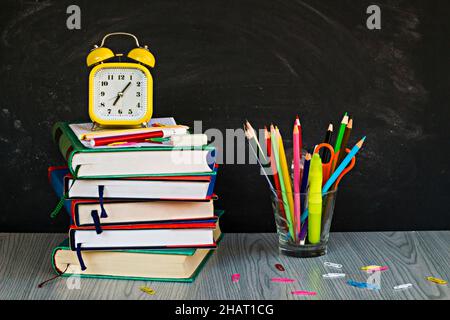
[{"x": 226, "y": 61}]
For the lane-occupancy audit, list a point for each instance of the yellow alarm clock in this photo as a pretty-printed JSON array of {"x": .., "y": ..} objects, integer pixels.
[{"x": 120, "y": 92}]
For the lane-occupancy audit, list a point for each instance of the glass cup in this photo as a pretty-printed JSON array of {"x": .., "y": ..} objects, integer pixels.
[{"x": 313, "y": 242}]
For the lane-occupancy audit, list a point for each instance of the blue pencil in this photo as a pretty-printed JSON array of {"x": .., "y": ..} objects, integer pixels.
[{"x": 342, "y": 166}]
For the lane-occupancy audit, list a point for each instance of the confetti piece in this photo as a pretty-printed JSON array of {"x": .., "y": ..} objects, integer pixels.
[
  {"x": 304, "y": 293},
  {"x": 374, "y": 268},
  {"x": 333, "y": 265},
  {"x": 284, "y": 280},
  {"x": 403, "y": 286},
  {"x": 279, "y": 267},
  {"x": 362, "y": 285},
  {"x": 235, "y": 277},
  {"x": 334, "y": 275},
  {"x": 436, "y": 280},
  {"x": 147, "y": 290}
]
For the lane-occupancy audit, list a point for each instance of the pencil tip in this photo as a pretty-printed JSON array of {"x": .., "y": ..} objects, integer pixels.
[{"x": 330, "y": 127}]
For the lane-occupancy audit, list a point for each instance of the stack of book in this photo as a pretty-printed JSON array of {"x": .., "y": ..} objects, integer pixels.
[{"x": 140, "y": 210}]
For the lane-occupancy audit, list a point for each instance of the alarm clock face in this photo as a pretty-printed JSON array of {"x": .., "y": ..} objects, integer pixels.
[{"x": 120, "y": 94}]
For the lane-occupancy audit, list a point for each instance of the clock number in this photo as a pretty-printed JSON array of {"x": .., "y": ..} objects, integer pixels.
[
  {"x": 130, "y": 111},
  {"x": 131, "y": 77},
  {"x": 139, "y": 105},
  {"x": 121, "y": 77},
  {"x": 102, "y": 93},
  {"x": 119, "y": 111},
  {"x": 104, "y": 83},
  {"x": 109, "y": 111},
  {"x": 110, "y": 77},
  {"x": 138, "y": 94},
  {"x": 138, "y": 84},
  {"x": 102, "y": 104}
]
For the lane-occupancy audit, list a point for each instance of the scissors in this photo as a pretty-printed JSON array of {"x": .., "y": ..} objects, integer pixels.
[{"x": 327, "y": 167}]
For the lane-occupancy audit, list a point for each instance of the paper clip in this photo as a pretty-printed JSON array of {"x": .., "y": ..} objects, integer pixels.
[
  {"x": 147, "y": 290},
  {"x": 364, "y": 285},
  {"x": 436, "y": 280},
  {"x": 279, "y": 267},
  {"x": 235, "y": 277},
  {"x": 304, "y": 293},
  {"x": 374, "y": 268},
  {"x": 403, "y": 286},
  {"x": 333, "y": 265},
  {"x": 333, "y": 275},
  {"x": 283, "y": 280}
]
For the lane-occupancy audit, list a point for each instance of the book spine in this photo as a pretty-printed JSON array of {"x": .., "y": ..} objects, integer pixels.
[{"x": 62, "y": 141}]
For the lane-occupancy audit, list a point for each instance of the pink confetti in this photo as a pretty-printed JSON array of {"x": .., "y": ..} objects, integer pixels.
[
  {"x": 283, "y": 280},
  {"x": 304, "y": 293},
  {"x": 235, "y": 277}
]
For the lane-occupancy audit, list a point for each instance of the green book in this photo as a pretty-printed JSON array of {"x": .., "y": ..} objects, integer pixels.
[
  {"x": 169, "y": 265},
  {"x": 120, "y": 162}
]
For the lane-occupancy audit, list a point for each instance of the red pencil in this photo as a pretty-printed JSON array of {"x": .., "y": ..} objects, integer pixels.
[
  {"x": 135, "y": 137},
  {"x": 268, "y": 144}
]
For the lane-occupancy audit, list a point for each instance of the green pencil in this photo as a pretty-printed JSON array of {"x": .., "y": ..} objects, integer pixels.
[{"x": 337, "y": 145}]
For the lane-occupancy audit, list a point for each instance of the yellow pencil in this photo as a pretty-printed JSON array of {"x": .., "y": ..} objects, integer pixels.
[{"x": 286, "y": 176}]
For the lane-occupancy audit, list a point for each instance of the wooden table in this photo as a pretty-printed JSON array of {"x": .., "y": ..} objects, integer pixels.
[{"x": 410, "y": 256}]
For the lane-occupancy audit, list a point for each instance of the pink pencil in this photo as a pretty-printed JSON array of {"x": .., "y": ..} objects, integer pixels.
[{"x": 297, "y": 208}]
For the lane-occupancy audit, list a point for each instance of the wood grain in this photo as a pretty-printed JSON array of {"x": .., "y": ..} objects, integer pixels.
[{"x": 410, "y": 256}]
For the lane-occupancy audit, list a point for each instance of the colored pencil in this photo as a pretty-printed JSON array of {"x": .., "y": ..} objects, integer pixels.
[
  {"x": 297, "y": 209},
  {"x": 267, "y": 138},
  {"x": 287, "y": 181},
  {"x": 304, "y": 187},
  {"x": 276, "y": 151},
  {"x": 343, "y": 165},
  {"x": 344, "y": 122},
  {"x": 300, "y": 135},
  {"x": 348, "y": 131},
  {"x": 273, "y": 165},
  {"x": 259, "y": 150},
  {"x": 253, "y": 146},
  {"x": 325, "y": 153},
  {"x": 135, "y": 137}
]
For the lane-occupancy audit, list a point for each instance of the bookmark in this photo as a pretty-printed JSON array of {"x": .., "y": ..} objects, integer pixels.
[
  {"x": 80, "y": 257},
  {"x": 94, "y": 215},
  {"x": 304, "y": 293},
  {"x": 101, "y": 189}
]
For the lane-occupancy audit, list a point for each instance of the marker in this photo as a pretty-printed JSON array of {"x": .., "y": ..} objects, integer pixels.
[
  {"x": 342, "y": 166},
  {"x": 315, "y": 199}
]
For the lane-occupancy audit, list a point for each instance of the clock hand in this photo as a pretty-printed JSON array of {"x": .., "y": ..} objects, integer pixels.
[{"x": 120, "y": 94}]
